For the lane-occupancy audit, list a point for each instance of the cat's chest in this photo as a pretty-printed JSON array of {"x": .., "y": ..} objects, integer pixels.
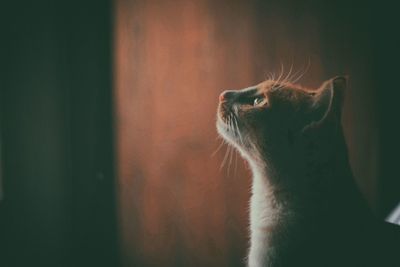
[
  {"x": 263, "y": 223},
  {"x": 263, "y": 210}
]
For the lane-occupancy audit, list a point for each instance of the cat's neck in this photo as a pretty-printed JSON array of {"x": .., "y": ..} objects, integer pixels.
[
  {"x": 268, "y": 215},
  {"x": 289, "y": 198}
]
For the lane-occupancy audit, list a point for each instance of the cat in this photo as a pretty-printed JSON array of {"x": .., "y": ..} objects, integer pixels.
[{"x": 305, "y": 208}]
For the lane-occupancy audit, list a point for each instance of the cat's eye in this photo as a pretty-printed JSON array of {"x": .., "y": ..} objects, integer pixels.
[{"x": 257, "y": 101}]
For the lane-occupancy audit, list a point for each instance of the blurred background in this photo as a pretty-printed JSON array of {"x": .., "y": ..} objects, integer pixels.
[{"x": 107, "y": 121}]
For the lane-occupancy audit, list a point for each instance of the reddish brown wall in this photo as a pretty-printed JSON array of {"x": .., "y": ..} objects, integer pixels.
[{"x": 173, "y": 58}]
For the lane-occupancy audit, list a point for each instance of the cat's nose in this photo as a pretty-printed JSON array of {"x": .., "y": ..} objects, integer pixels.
[{"x": 226, "y": 95}]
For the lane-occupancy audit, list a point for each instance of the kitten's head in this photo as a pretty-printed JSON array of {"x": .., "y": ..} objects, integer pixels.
[{"x": 269, "y": 117}]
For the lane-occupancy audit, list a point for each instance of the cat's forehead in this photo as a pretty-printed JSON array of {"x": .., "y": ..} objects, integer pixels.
[
  {"x": 261, "y": 87},
  {"x": 250, "y": 90},
  {"x": 272, "y": 85},
  {"x": 269, "y": 85}
]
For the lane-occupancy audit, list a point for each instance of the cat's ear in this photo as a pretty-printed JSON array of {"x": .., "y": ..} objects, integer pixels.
[{"x": 328, "y": 101}]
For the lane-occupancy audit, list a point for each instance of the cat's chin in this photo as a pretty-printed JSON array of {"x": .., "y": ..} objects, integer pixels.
[
  {"x": 225, "y": 132},
  {"x": 233, "y": 139}
]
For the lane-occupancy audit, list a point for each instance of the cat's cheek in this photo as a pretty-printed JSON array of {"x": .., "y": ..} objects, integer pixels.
[
  {"x": 253, "y": 119},
  {"x": 221, "y": 127}
]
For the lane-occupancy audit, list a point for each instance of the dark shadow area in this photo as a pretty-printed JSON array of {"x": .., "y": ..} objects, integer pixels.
[{"x": 58, "y": 204}]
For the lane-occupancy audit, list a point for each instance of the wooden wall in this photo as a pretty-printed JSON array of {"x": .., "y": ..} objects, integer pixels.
[{"x": 172, "y": 59}]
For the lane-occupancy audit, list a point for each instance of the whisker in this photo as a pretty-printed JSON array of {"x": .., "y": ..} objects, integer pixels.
[
  {"x": 230, "y": 159},
  {"x": 285, "y": 80},
  {"x": 303, "y": 73},
  {"x": 295, "y": 76},
  {"x": 238, "y": 131},
  {"x": 266, "y": 76},
  {"x": 281, "y": 73},
  {"x": 230, "y": 150},
  {"x": 277, "y": 81},
  {"x": 272, "y": 76},
  {"x": 218, "y": 137},
  {"x": 235, "y": 170},
  {"x": 230, "y": 122},
  {"x": 219, "y": 147},
  {"x": 225, "y": 157}
]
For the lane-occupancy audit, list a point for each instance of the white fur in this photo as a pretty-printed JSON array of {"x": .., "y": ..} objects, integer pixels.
[{"x": 263, "y": 217}]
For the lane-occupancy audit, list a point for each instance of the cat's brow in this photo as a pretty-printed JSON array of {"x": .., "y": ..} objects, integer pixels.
[{"x": 249, "y": 91}]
